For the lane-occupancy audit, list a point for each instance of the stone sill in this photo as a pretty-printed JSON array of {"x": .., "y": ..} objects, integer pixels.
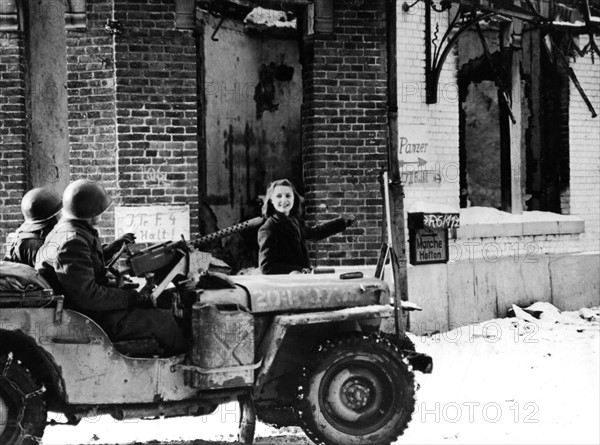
[{"x": 483, "y": 222}]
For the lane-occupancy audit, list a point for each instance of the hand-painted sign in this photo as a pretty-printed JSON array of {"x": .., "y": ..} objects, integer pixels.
[
  {"x": 419, "y": 220},
  {"x": 428, "y": 246},
  {"x": 413, "y": 147},
  {"x": 153, "y": 224}
]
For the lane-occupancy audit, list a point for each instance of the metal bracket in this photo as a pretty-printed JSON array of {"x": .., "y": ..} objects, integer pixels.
[
  {"x": 113, "y": 27},
  {"x": 60, "y": 302},
  {"x": 436, "y": 52},
  {"x": 213, "y": 36}
]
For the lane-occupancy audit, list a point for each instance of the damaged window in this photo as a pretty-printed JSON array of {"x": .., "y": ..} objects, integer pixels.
[{"x": 542, "y": 167}]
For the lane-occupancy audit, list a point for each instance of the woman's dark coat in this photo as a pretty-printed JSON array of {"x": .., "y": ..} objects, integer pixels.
[{"x": 282, "y": 242}]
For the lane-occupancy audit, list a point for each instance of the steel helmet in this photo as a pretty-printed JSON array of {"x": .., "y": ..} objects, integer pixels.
[
  {"x": 38, "y": 206},
  {"x": 83, "y": 199}
]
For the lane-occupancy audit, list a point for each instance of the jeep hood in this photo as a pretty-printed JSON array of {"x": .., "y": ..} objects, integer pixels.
[{"x": 275, "y": 293}]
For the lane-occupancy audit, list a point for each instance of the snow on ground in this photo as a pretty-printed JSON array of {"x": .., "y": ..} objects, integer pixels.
[{"x": 504, "y": 381}]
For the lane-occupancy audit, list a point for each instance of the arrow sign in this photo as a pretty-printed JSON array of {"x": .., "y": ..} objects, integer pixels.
[{"x": 419, "y": 162}]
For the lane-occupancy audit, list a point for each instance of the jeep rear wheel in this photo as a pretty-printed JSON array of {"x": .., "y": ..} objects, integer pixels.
[
  {"x": 360, "y": 391},
  {"x": 22, "y": 408}
]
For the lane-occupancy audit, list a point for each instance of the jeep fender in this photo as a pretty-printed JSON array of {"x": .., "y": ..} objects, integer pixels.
[{"x": 281, "y": 324}]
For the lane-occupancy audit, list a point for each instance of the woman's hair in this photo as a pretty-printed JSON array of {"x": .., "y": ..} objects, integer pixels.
[{"x": 268, "y": 209}]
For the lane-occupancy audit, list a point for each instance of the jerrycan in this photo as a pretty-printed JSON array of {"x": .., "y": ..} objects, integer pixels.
[{"x": 223, "y": 351}]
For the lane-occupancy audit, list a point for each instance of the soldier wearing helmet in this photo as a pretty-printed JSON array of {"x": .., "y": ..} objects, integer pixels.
[
  {"x": 40, "y": 207},
  {"x": 73, "y": 261}
]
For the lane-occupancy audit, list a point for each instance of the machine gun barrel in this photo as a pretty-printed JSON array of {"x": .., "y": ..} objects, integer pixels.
[{"x": 249, "y": 224}]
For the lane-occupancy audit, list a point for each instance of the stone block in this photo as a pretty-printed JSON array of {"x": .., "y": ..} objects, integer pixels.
[
  {"x": 575, "y": 280},
  {"x": 462, "y": 300},
  {"x": 571, "y": 226},
  {"x": 427, "y": 287},
  {"x": 487, "y": 284},
  {"x": 521, "y": 282}
]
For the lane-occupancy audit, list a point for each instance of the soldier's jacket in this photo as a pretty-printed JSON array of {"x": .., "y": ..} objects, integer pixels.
[
  {"x": 72, "y": 261},
  {"x": 25, "y": 248}
]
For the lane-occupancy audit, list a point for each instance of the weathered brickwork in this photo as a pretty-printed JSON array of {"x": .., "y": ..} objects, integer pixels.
[
  {"x": 584, "y": 140},
  {"x": 13, "y": 180},
  {"x": 132, "y": 106},
  {"x": 156, "y": 107},
  {"x": 91, "y": 100},
  {"x": 344, "y": 129}
]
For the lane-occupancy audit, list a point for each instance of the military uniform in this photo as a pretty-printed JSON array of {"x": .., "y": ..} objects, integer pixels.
[
  {"x": 39, "y": 207},
  {"x": 72, "y": 261},
  {"x": 25, "y": 248}
]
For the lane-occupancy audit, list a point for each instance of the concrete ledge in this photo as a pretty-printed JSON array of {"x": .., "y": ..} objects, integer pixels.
[
  {"x": 571, "y": 227},
  {"x": 483, "y": 222}
]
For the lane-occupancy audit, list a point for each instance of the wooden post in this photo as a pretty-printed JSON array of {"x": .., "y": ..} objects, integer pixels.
[
  {"x": 396, "y": 198},
  {"x": 46, "y": 94},
  {"x": 511, "y": 156},
  {"x": 534, "y": 175}
]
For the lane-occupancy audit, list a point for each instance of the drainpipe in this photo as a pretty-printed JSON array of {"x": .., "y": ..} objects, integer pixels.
[{"x": 396, "y": 195}]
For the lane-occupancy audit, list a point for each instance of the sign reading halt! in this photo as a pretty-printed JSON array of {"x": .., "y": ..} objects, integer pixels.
[{"x": 153, "y": 224}]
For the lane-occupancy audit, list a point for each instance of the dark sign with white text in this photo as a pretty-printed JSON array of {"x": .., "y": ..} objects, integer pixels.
[{"x": 428, "y": 246}]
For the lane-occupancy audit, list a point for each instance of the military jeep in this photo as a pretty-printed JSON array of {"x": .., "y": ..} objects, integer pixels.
[{"x": 301, "y": 350}]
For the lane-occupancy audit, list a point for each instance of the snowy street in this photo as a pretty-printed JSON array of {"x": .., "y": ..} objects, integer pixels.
[{"x": 504, "y": 381}]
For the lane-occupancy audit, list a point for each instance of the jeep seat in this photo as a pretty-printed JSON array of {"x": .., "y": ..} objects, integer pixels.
[{"x": 22, "y": 286}]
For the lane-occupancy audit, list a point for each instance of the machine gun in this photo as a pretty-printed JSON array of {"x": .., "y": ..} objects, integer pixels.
[{"x": 161, "y": 263}]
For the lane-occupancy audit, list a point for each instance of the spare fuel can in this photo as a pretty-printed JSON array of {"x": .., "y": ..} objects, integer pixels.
[{"x": 223, "y": 351}]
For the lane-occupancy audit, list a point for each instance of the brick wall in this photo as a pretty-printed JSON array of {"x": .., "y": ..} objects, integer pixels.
[
  {"x": 91, "y": 101},
  {"x": 584, "y": 140},
  {"x": 136, "y": 135},
  {"x": 344, "y": 128},
  {"x": 132, "y": 106},
  {"x": 156, "y": 107},
  {"x": 13, "y": 181}
]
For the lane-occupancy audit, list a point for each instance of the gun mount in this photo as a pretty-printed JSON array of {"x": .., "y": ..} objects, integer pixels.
[{"x": 162, "y": 263}]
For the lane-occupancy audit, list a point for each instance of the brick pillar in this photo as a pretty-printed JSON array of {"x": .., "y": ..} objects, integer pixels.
[
  {"x": 47, "y": 115},
  {"x": 344, "y": 128}
]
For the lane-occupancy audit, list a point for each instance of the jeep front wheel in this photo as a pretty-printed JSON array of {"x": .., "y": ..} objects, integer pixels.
[
  {"x": 22, "y": 408},
  {"x": 359, "y": 391}
]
